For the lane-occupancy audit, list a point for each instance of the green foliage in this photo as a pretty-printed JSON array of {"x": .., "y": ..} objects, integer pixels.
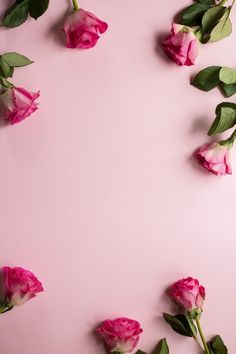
[
  {"x": 217, "y": 346},
  {"x": 180, "y": 324},
  {"x": 18, "y": 13},
  {"x": 225, "y": 118},
  {"x": 192, "y": 15},
  {"x": 207, "y": 79},
  {"x": 213, "y": 76},
  {"x": 37, "y": 8},
  {"x": 162, "y": 347}
]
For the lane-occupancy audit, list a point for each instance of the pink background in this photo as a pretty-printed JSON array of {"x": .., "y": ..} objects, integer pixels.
[{"x": 99, "y": 195}]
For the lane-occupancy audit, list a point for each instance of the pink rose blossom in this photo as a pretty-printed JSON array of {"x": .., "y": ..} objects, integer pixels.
[
  {"x": 19, "y": 285},
  {"x": 17, "y": 104},
  {"x": 188, "y": 293},
  {"x": 181, "y": 46},
  {"x": 83, "y": 29},
  {"x": 215, "y": 158},
  {"x": 121, "y": 334}
]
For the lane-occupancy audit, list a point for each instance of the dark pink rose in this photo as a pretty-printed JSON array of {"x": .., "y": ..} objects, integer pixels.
[
  {"x": 188, "y": 293},
  {"x": 215, "y": 158},
  {"x": 83, "y": 29},
  {"x": 17, "y": 104},
  {"x": 19, "y": 285},
  {"x": 121, "y": 335},
  {"x": 181, "y": 46}
]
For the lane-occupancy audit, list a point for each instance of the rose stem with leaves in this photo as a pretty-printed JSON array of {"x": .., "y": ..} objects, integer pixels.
[{"x": 75, "y": 4}]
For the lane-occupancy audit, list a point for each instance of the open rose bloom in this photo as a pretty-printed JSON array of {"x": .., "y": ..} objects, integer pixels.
[
  {"x": 83, "y": 29},
  {"x": 188, "y": 293},
  {"x": 17, "y": 104},
  {"x": 215, "y": 158},
  {"x": 19, "y": 285},
  {"x": 181, "y": 46},
  {"x": 121, "y": 335}
]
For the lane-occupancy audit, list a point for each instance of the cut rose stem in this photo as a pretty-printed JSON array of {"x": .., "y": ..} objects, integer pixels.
[{"x": 202, "y": 336}]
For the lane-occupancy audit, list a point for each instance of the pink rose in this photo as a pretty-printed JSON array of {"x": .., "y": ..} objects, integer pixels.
[
  {"x": 19, "y": 285},
  {"x": 82, "y": 29},
  {"x": 188, "y": 293},
  {"x": 121, "y": 335},
  {"x": 215, "y": 158},
  {"x": 181, "y": 45},
  {"x": 17, "y": 104}
]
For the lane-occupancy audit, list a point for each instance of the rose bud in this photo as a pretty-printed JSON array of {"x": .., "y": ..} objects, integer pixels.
[
  {"x": 181, "y": 46},
  {"x": 121, "y": 335},
  {"x": 83, "y": 29},
  {"x": 19, "y": 285},
  {"x": 188, "y": 293},
  {"x": 215, "y": 158},
  {"x": 17, "y": 104}
]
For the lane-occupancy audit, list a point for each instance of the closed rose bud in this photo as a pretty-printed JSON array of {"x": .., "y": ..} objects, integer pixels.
[
  {"x": 215, "y": 158},
  {"x": 188, "y": 293},
  {"x": 83, "y": 29},
  {"x": 17, "y": 104},
  {"x": 121, "y": 335},
  {"x": 181, "y": 46},
  {"x": 19, "y": 285}
]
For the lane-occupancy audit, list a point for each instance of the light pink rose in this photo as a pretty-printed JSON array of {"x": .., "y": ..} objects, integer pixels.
[
  {"x": 181, "y": 46},
  {"x": 215, "y": 158},
  {"x": 188, "y": 293},
  {"x": 121, "y": 335},
  {"x": 19, "y": 285},
  {"x": 83, "y": 29},
  {"x": 17, "y": 104}
]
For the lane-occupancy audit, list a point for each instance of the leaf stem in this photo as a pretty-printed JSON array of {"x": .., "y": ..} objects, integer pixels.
[
  {"x": 230, "y": 141},
  {"x": 202, "y": 336},
  {"x": 75, "y": 4}
]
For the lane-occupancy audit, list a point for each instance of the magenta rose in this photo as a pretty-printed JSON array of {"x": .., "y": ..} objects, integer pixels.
[
  {"x": 17, "y": 104},
  {"x": 215, "y": 158},
  {"x": 121, "y": 335},
  {"x": 181, "y": 46},
  {"x": 188, "y": 293},
  {"x": 19, "y": 285},
  {"x": 83, "y": 29}
]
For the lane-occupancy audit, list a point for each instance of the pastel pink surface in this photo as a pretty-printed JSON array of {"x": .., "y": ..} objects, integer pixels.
[{"x": 99, "y": 195}]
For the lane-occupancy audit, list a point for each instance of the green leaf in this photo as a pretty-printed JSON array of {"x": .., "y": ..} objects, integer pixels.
[
  {"x": 11, "y": 72},
  {"x": 16, "y": 14},
  {"x": 227, "y": 75},
  {"x": 225, "y": 118},
  {"x": 180, "y": 324},
  {"x": 37, "y": 8},
  {"x": 140, "y": 352},
  {"x": 211, "y": 17},
  {"x": 217, "y": 346},
  {"x": 223, "y": 29},
  {"x": 228, "y": 90},
  {"x": 209, "y": 2},
  {"x": 193, "y": 14},
  {"x": 4, "y": 68},
  {"x": 16, "y": 60},
  {"x": 207, "y": 79},
  {"x": 162, "y": 347},
  {"x": 210, "y": 20}
]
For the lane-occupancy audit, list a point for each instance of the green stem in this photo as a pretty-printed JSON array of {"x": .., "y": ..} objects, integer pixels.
[
  {"x": 222, "y": 2},
  {"x": 232, "y": 4},
  {"x": 75, "y": 4},
  {"x": 197, "y": 342},
  {"x": 230, "y": 141},
  {"x": 202, "y": 336}
]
